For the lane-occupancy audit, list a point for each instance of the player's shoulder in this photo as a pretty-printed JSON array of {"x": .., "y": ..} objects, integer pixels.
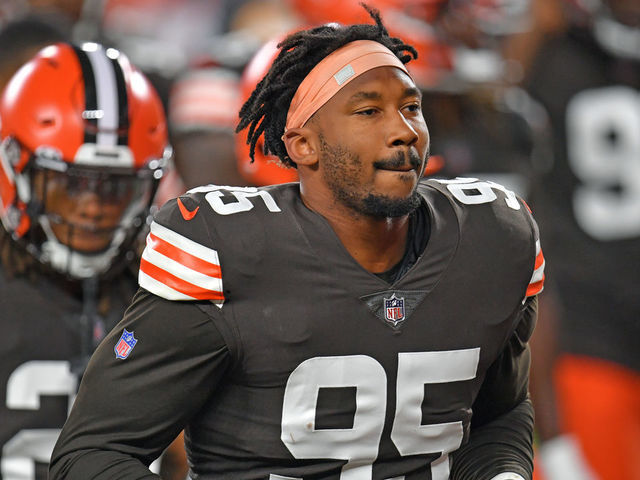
[
  {"x": 214, "y": 203},
  {"x": 493, "y": 216},
  {"x": 483, "y": 203},
  {"x": 181, "y": 259}
]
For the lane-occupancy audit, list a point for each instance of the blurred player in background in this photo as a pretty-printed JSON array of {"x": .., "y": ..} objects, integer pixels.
[
  {"x": 483, "y": 125},
  {"x": 203, "y": 110},
  {"x": 195, "y": 52},
  {"x": 586, "y": 380},
  {"x": 83, "y": 146}
]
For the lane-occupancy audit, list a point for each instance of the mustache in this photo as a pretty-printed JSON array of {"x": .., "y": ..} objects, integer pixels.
[{"x": 398, "y": 160}]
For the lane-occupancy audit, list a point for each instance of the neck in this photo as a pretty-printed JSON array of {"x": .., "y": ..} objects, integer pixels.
[{"x": 377, "y": 244}]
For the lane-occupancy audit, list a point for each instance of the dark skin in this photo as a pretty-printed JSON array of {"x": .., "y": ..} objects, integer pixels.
[
  {"x": 174, "y": 465},
  {"x": 369, "y": 140},
  {"x": 92, "y": 218}
]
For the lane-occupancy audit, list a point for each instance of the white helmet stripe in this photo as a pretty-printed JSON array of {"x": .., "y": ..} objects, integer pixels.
[{"x": 107, "y": 97}]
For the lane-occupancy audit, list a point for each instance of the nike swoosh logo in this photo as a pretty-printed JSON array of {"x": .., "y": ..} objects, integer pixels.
[{"x": 186, "y": 214}]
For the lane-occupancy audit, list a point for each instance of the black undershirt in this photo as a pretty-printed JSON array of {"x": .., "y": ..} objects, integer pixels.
[{"x": 417, "y": 239}]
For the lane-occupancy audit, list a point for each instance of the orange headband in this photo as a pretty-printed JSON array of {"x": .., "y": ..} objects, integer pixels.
[{"x": 335, "y": 71}]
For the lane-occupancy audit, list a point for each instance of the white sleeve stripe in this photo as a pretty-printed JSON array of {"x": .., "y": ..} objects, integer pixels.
[
  {"x": 184, "y": 243},
  {"x": 160, "y": 289},
  {"x": 183, "y": 273},
  {"x": 538, "y": 274}
]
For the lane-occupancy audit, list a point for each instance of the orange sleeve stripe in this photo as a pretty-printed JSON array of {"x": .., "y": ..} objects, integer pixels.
[
  {"x": 539, "y": 261},
  {"x": 190, "y": 261},
  {"x": 171, "y": 281},
  {"x": 535, "y": 288}
]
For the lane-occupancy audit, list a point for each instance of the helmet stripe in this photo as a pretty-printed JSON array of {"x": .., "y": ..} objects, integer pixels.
[
  {"x": 90, "y": 99},
  {"x": 123, "y": 106},
  {"x": 107, "y": 95}
]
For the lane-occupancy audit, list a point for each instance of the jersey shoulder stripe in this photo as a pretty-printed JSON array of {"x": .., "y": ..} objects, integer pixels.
[
  {"x": 536, "y": 284},
  {"x": 177, "y": 268}
]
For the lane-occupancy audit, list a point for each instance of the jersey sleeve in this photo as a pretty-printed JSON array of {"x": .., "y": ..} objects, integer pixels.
[
  {"x": 179, "y": 261},
  {"x": 151, "y": 374},
  {"x": 501, "y": 436},
  {"x": 501, "y": 449},
  {"x": 536, "y": 284}
]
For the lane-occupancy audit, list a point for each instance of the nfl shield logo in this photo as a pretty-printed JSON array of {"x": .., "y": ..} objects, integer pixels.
[
  {"x": 125, "y": 344},
  {"x": 394, "y": 309}
]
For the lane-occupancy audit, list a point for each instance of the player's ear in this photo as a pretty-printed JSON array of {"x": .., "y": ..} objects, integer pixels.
[{"x": 301, "y": 144}]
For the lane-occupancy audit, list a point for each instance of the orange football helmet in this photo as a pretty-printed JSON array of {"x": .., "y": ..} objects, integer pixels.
[
  {"x": 88, "y": 116},
  {"x": 265, "y": 169}
]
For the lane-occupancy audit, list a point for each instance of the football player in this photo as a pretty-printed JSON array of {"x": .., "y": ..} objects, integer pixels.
[
  {"x": 588, "y": 205},
  {"x": 361, "y": 323},
  {"x": 203, "y": 109},
  {"x": 84, "y": 141}
]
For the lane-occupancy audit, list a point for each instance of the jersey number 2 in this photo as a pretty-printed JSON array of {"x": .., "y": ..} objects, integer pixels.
[
  {"x": 359, "y": 445},
  {"x": 25, "y": 386}
]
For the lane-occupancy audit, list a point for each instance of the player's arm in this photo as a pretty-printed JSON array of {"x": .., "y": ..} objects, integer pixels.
[
  {"x": 128, "y": 410},
  {"x": 500, "y": 445}
]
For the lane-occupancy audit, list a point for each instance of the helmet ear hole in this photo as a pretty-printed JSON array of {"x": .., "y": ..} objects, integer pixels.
[{"x": 46, "y": 121}]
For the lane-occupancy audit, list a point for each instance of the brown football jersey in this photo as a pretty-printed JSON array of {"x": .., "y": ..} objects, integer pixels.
[{"x": 287, "y": 360}]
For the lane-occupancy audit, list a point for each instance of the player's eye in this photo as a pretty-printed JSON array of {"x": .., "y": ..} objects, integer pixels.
[
  {"x": 413, "y": 107},
  {"x": 366, "y": 112}
]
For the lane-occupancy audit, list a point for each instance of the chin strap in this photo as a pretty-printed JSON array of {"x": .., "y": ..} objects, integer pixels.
[{"x": 73, "y": 263}]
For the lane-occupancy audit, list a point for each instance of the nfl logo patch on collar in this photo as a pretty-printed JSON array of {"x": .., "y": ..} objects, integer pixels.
[
  {"x": 125, "y": 345},
  {"x": 394, "y": 307},
  {"x": 394, "y": 310}
]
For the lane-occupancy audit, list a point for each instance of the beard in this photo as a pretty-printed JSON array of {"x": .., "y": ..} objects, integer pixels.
[
  {"x": 382, "y": 206},
  {"x": 341, "y": 175}
]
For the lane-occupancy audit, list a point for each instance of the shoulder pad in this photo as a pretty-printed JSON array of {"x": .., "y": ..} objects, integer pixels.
[
  {"x": 181, "y": 260},
  {"x": 178, "y": 262},
  {"x": 506, "y": 205}
]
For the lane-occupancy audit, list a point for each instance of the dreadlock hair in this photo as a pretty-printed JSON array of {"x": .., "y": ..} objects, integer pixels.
[
  {"x": 267, "y": 107},
  {"x": 16, "y": 261}
]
